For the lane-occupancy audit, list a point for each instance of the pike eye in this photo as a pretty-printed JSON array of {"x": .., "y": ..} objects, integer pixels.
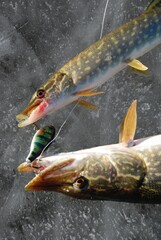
[
  {"x": 41, "y": 93},
  {"x": 81, "y": 183}
]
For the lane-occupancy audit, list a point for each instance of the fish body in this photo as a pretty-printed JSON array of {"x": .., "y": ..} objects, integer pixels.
[
  {"x": 112, "y": 172},
  {"x": 129, "y": 171},
  {"x": 96, "y": 64},
  {"x": 41, "y": 139}
]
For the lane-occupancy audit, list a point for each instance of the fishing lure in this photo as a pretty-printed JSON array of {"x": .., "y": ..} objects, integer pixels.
[
  {"x": 129, "y": 171},
  {"x": 95, "y": 65},
  {"x": 41, "y": 140}
]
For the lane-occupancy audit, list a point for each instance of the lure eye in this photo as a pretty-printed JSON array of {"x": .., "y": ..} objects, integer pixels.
[
  {"x": 41, "y": 93},
  {"x": 81, "y": 183}
]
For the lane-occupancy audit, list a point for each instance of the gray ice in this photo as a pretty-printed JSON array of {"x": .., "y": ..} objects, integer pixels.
[{"x": 54, "y": 32}]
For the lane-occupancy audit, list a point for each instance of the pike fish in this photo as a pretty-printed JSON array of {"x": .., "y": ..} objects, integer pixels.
[
  {"x": 95, "y": 65},
  {"x": 126, "y": 172}
]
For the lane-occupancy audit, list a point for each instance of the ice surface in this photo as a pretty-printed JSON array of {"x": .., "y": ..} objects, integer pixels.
[{"x": 52, "y": 32}]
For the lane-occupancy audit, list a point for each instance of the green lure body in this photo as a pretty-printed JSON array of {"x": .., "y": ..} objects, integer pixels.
[{"x": 40, "y": 140}]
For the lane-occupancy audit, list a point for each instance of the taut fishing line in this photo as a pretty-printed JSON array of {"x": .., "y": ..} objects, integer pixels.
[
  {"x": 59, "y": 129},
  {"x": 102, "y": 26},
  {"x": 12, "y": 32},
  {"x": 103, "y": 19}
]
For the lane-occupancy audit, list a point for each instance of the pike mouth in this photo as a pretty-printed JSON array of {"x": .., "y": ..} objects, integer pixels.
[
  {"x": 32, "y": 113},
  {"x": 35, "y": 167},
  {"x": 50, "y": 175},
  {"x": 20, "y": 119}
]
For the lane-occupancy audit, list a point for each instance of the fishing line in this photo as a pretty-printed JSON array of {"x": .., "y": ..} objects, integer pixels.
[
  {"x": 12, "y": 32},
  {"x": 102, "y": 26},
  {"x": 59, "y": 129},
  {"x": 103, "y": 20}
]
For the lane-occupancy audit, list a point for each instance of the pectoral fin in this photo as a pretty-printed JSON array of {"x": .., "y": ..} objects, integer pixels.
[
  {"x": 128, "y": 125},
  {"x": 134, "y": 63},
  {"x": 86, "y": 104},
  {"x": 87, "y": 93}
]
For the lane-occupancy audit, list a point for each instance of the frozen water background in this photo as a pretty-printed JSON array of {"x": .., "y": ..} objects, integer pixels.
[{"x": 36, "y": 38}]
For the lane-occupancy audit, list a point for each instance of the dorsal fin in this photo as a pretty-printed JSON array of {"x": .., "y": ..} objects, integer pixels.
[
  {"x": 128, "y": 125},
  {"x": 153, "y": 4}
]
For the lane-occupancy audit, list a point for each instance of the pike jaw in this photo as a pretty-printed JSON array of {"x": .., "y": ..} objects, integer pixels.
[
  {"x": 38, "y": 107},
  {"x": 63, "y": 175},
  {"x": 49, "y": 98},
  {"x": 33, "y": 113},
  {"x": 42, "y": 103}
]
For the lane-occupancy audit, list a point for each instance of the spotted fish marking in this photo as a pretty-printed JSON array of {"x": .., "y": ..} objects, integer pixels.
[{"x": 96, "y": 64}]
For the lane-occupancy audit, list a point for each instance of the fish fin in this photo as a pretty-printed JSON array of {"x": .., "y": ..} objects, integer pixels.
[
  {"x": 128, "y": 126},
  {"x": 86, "y": 104},
  {"x": 87, "y": 93},
  {"x": 134, "y": 63},
  {"x": 153, "y": 4}
]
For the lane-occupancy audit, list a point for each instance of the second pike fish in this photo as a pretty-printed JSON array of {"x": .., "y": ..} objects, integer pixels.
[
  {"x": 113, "y": 172},
  {"x": 95, "y": 65}
]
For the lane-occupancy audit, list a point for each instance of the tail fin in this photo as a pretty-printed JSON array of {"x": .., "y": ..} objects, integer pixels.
[{"x": 154, "y": 4}]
